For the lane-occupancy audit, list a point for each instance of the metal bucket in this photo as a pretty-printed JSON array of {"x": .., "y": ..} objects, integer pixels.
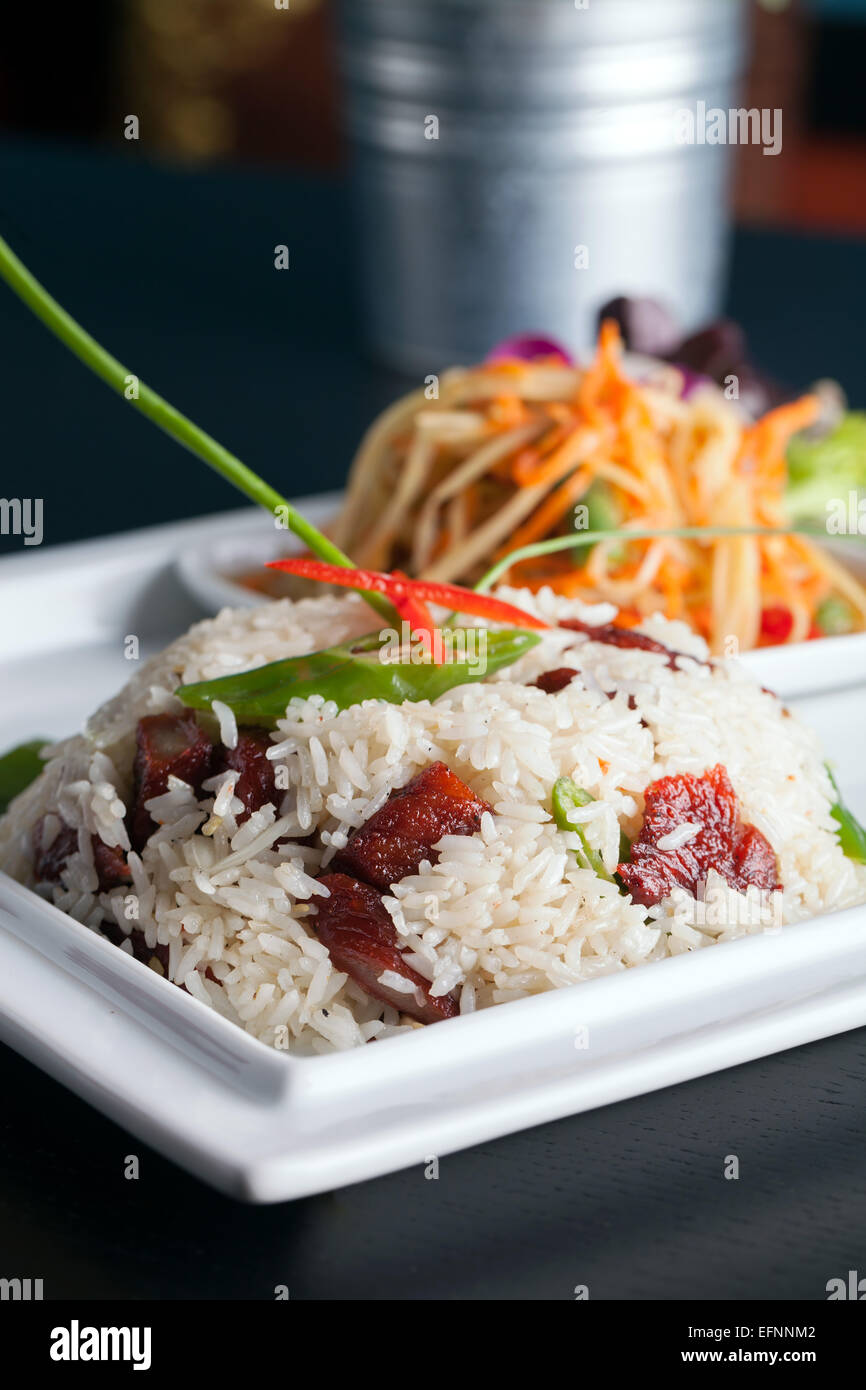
[{"x": 515, "y": 165}]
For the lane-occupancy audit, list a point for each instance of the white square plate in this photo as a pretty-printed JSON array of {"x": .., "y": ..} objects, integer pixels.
[{"x": 265, "y": 1126}]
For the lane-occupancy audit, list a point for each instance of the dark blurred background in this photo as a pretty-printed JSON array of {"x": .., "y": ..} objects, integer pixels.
[
  {"x": 163, "y": 245},
  {"x": 217, "y": 80}
]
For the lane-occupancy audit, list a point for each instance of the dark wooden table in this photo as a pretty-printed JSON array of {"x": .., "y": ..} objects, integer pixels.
[{"x": 174, "y": 272}]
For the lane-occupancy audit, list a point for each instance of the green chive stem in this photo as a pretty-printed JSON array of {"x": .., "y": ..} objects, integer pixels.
[
  {"x": 165, "y": 416},
  {"x": 577, "y": 538}
]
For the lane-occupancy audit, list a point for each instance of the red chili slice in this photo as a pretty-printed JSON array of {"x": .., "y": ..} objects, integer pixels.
[
  {"x": 392, "y": 843},
  {"x": 395, "y": 586},
  {"x": 738, "y": 852},
  {"x": 414, "y": 611},
  {"x": 777, "y": 624},
  {"x": 362, "y": 941},
  {"x": 167, "y": 745}
]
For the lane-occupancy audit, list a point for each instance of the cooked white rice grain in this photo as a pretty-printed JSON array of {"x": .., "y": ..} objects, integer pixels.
[{"x": 501, "y": 914}]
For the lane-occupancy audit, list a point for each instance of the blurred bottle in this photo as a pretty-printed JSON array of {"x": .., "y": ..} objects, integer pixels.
[{"x": 516, "y": 164}]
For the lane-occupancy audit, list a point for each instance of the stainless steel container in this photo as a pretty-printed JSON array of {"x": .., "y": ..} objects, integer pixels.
[{"x": 556, "y": 124}]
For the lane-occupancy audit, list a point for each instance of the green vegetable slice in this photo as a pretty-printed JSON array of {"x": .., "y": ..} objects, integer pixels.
[
  {"x": 835, "y": 616},
  {"x": 349, "y": 673},
  {"x": 821, "y": 472},
  {"x": 602, "y": 514},
  {"x": 577, "y": 539},
  {"x": 852, "y": 836},
  {"x": 144, "y": 399},
  {"x": 18, "y": 768},
  {"x": 567, "y": 795}
]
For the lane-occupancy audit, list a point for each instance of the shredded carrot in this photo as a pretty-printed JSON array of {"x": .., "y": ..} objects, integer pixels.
[
  {"x": 562, "y": 459},
  {"x": 508, "y": 411},
  {"x": 765, "y": 442},
  {"x": 506, "y": 366},
  {"x": 657, "y": 461},
  {"x": 628, "y": 617},
  {"x": 551, "y": 511},
  {"x": 530, "y": 463},
  {"x": 559, "y": 412}
]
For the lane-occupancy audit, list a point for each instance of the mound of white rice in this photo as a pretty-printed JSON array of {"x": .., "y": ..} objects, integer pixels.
[{"x": 505, "y": 912}]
